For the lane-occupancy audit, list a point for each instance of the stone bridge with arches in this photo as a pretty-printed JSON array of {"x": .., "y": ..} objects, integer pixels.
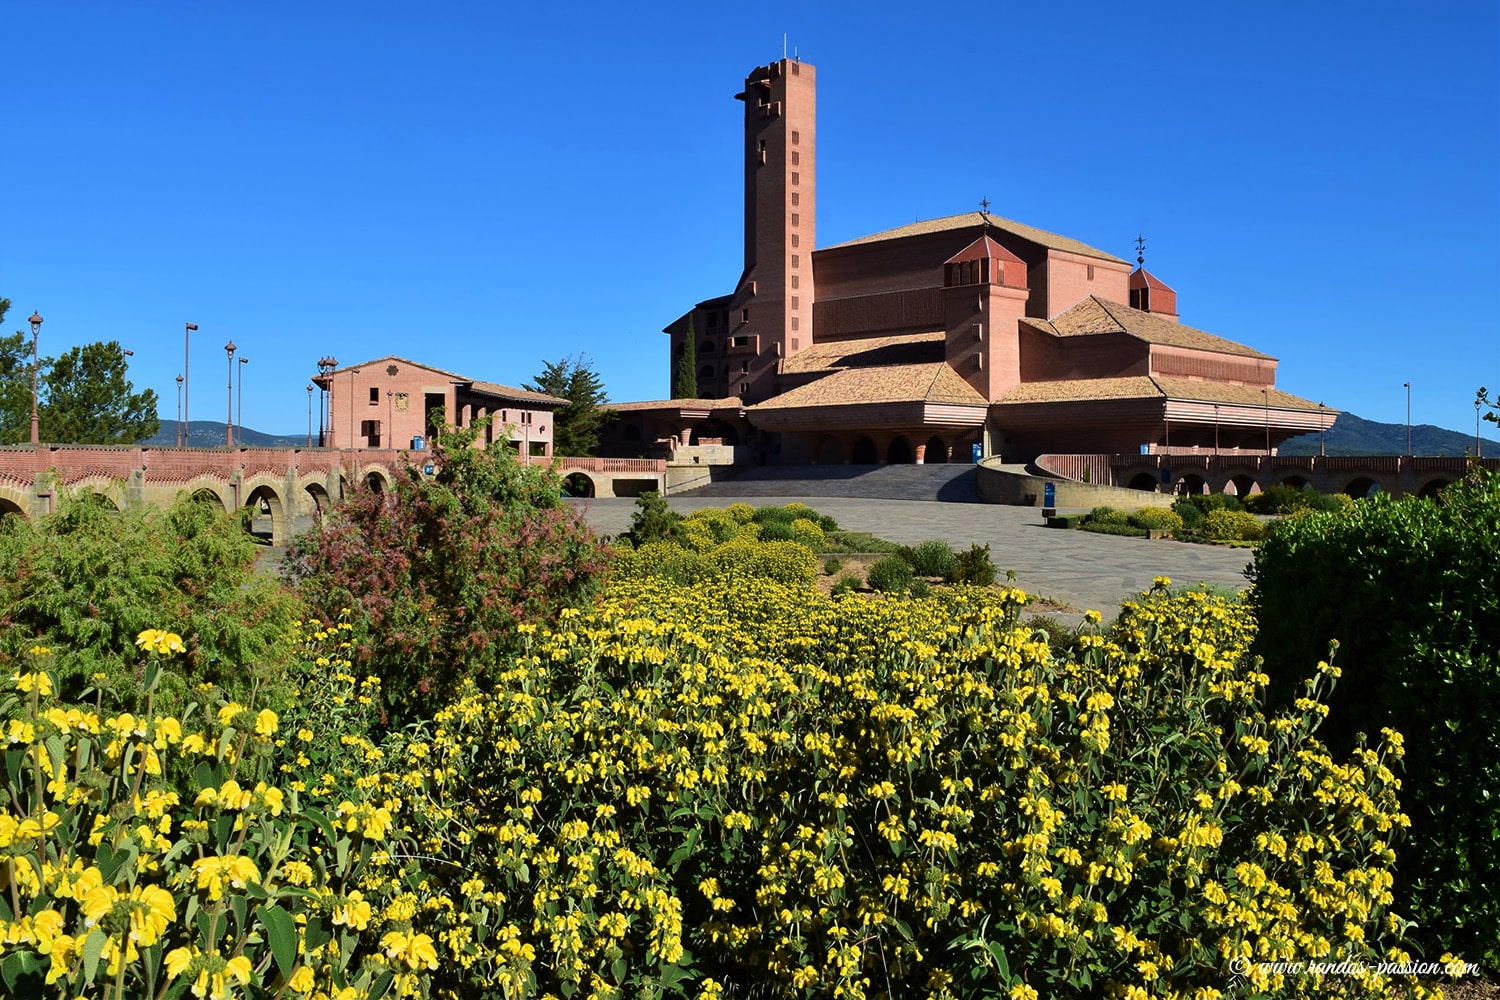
[
  {"x": 1355, "y": 475},
  {"x": 285, "y": 488}
]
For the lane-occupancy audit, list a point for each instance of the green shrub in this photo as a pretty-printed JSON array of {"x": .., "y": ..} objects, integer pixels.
[
  {"x": 741, "y": 512},
  {"x": 806, "y": 531},
  {"x": 1284, "y": 499},
  {"x": 827, "y": 523},
  {"x": 1114, "y": 527},
  {"x": 1107, "y": 515},
  {"x": 1066, "y": 521},
  {"x": 891, "y": 574},
  {"x": 921, "y": 588},
  {"x": 847, "y": 584},
  {"x": 1408, "y": 589},
  {"x": 832, "y": 566},
  {"x": 1232, "y": 525},
  {"x": 772, "y": 513},
  {"x": 776, "y": 531},
  {"x": 975, "y": 567},
  {"x": 1059, "y": 636},
  {"x": 1157, "y": 519},
  {"x": 931, "y": 558},
  {"x": 666, "y": 560},
  {"x": 86, "y": 580},
  {"x": 777, "y": 561},
  {"x": 441, "y": 570},
  {"x": 653, "y": 521},
  {"x": 838, "y": 540}
]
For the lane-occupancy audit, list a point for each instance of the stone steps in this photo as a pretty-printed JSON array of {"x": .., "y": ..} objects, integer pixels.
[{"x": 950, "y": 483}]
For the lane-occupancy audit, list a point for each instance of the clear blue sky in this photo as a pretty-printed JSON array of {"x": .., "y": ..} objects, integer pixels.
[{"x": 483, "y": 189}]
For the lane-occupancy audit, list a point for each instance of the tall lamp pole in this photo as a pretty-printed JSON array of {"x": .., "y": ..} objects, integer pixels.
[
  {"x": 229, "y": 404},
  {"x": 240, "y": 407},
  {"x": 1408, "y": 418},
  {"x": 309, "y": 414},
  {"x": 1266, "y": 392},
  {"x": 1322, "y": 428},
  {"x": 1478, "y": 448},
  {"x": 326, "y": 365},
  {"x": 179, "y": 411},
  {"x": 187, "y": 434},
  {"x": 36, "y": 330}
]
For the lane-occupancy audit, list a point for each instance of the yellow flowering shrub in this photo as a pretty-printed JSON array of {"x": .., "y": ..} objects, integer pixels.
[{"x": 703, "y": 790}]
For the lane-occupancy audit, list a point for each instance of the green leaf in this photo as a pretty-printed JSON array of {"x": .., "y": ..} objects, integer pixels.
[
  {"x": 381, "y": 984},
  {"x": 1001, "y": 964},
  {"x": 682, "y": 853},
  {"x": 281, "y": 933},
  {"x": 93, "y": 947}
]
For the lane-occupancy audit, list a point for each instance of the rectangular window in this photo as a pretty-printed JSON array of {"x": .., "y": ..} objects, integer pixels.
[
  {"x": 796, "y": 219},
  {"x": 796, "y": 198},
  {"x": 796, "y": 302},
  {"x": 795, "y": 240},
  {"x": 374, "y": 395},
  {"x": 796, "y": 158},
  {"x": 1091, "y": 272},
  {"x": 744, "y": 368},
  {"x": 744, "y": 388},
  {"x": 744, "y": 315},
  {"x": 795, "y": 279},
  {"x": 796, "y": 137},
  {"x": 796, "y": 260},
  {"x": 794, "y": 326},
  {"x": 796, "y": 178}
]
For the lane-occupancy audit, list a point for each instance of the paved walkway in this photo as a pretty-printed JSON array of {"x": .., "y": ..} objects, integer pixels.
[{"x": 1076, "y": 568}]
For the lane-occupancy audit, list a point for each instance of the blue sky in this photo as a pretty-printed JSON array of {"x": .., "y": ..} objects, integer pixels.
[{"x": 485, "y": 189}]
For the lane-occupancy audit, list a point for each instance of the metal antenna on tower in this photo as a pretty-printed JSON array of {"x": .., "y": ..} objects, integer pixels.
[{"x": 783, "y": 45}]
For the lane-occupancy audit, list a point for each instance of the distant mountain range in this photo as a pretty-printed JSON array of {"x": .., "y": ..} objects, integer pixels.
[
  {"x": 210, "y": 434},
  {"x": 1351, "y": 435}
]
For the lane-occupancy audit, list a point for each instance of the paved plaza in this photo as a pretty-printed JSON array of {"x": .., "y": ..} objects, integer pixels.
[{"x": 1079, "y": 569}]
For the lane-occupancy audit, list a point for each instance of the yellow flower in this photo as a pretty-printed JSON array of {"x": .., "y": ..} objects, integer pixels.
[
  {"x": 154, "y": 640},
  {"x": 41, "y": 682},
  {"x": 302, "y": 980},
  {"x": 415, "y": 950},
  {"x": 235, "y": 869},
  {"x": 265, "y": 722},
  {"x": 1021, "y": 991}
]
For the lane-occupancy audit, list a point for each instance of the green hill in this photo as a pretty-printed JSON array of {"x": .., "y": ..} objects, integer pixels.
[
  {"x": 1352, "y": 435},
  {"x": 210, "y": 434}
]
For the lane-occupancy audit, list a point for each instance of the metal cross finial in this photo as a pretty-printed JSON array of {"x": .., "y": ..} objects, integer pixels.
[
  {"x": 1140, "y": 250},
  {"x": 984, "y": 204}
]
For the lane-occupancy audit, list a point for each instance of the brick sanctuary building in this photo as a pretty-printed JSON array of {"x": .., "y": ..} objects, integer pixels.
[{"x": 917, "y": 343}]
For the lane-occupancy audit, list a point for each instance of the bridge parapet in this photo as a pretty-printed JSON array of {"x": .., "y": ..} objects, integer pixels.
[{"x": 1356, "y": 475}]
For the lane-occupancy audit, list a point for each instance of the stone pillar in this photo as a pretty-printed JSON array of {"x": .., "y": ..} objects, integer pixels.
[{"x": 920, "y": 454}]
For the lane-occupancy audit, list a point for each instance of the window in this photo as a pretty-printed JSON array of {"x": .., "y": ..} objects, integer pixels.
[
  {"x": 795, "y": 240},
  {"x": 713, "y": 319},
  {"x": 744, "y": 368},
  {"x": 796, "y": 219},
  {"x": 796, "y": 302},
  {"x": 794, "y": 326},
  {"x": 796, "y": 260},
  {"x": 1091, "y": 272},
  {"x": 796, "y": 157},
  {"x": 796, "y": 137},
  {"x": 744, "y": 316},
  {"x": 796, "y": 178},
  {"x": 795, "y": 279},
  {"x": 796, "y": 198},
  {"x": 760, "y": 151},
  {"x": 744, "y": 388},
  {"x": 374, "y": 396}
]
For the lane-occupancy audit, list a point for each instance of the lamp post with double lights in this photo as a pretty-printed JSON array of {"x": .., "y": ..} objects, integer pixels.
[
  {"x": 309, "y": 414},
  {"x": 229, "y": 404},
  {"x": 36, "y": 331},
  {"x": 179, "y": 411},
  {"x": 187, "y": 328},
  {"x": 240, "y": 406},
  {"x": 325, "y": 403}
]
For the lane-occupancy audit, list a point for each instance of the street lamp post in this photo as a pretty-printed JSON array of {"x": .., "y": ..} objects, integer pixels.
[
  {"x": 390, "y": 418},
  {"x": 352, "y": 372},
  {"x": 240, "y": 406},
  {"x": 1322, "y": 428},
  {"x": 229, "y": 404},
  {"x": 1478, "y": 448},
  {"x": 309, "y": 414},
  {"x": 36, "y": 330},
  {"x": 326, "y": 365},
  {"x": 1408, "y": 418},
  {"x": 1216, "y": 429},
  {"x": 179, "y": 411},
  {"x": 187, "y": 328}
]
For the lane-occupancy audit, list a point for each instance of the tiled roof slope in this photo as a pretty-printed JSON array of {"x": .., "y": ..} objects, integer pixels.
[
  {"x": 682, "y": 403},
  {"x": 1151, "y": 387},
  {"x": 934, "y": 382},
  {"x": 519, "y": 395},
  {"x": 910, "y": 348},
  {"x": 970, "y": 219},
  {"x": 1094, "y": 316}
]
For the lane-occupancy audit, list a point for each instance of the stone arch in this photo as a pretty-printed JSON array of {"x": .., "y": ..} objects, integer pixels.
[
  {"x": 830, "y": 451},
  {"x": 264, "y": 503},
  {"x": 1241, "y": 484},
  {"x": 865, "y": 452},
  {"x": 1144, "y": 482},
  {"x": 1190, "y": 484},
  {"x": 705, "y": 371},
  {"x": 1361, "y": 487},
  {"x": 318, "y": 497},
  {"x": 98, "y": 489},
  {"x": 1294, "y": 481},
  {"x": 580, "y": 484},
  {"x": 1433, "y": 487},
  {"x": 14, "y": 501},
  {"x": 377, "y": 479},
  {"x": 900, "y": 451},
  {"x": 707, "y": 347},
  {"x": 208, "y": 497},
  {"x": 935, "y": 452},
  {"x": 716, "y": 428}
]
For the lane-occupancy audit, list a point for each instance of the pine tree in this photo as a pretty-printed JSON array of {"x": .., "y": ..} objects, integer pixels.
[
  {"x": 575, "y": 427},
  {"x": 686, "y": 385}
]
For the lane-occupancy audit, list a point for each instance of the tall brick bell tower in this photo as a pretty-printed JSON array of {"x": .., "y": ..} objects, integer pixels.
[{"x": 770, "y": 314}]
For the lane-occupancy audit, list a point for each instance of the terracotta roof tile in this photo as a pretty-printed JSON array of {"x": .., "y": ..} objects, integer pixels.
[
  {"x": 1150, "y": 387},
  {"x": 934, "y": 382},
  {"x": 911, "y": 348},
  {"x": 518, "y": 395},
  {"x": 1095, "y": 316},
  {"x": 1224, "y": 392},
  {"x": 976, "y": 219},
  {"x": 731, "y": 403}
]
